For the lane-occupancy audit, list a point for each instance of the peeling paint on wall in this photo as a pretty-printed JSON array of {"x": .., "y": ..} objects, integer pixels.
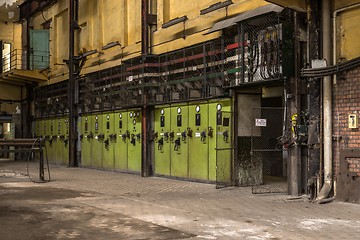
[{"x": 9, "y": 10}]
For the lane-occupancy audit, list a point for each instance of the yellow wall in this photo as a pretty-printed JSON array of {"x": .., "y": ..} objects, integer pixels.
[
  {"x": 101, "y": 22},
  {"x": 298, "y": 5},
  {"x": 105, "y": 21},
  {"x": 343, "y": 3},
  {"x": 348, "y": 34},
  {"x": 197, "y": 25},
  {"x": 10, "y": 92},
  {"x": 10, "y": 32}
]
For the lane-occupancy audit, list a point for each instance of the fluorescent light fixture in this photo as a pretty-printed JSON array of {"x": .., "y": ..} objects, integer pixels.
[
  {"x": 215, "y": 6},
  {"x": 91, "y": 52},
  {"x": 110, "y": 45},
  {"x": 175, "y": 21}
]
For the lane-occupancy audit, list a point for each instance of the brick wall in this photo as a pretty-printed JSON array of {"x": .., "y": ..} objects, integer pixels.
[
  {"x": 354, "y": 165},
  {"x": 346, "y": 100}
]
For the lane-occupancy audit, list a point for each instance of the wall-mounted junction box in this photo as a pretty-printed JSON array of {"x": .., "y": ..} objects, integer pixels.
[{"x": 353, "y": 121}]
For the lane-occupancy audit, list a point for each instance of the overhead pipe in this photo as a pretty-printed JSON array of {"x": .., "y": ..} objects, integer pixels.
[{"x": 327, "y": 103}]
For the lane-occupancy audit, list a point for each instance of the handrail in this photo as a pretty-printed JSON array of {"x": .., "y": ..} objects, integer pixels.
[{"x": 17, "y": 59}]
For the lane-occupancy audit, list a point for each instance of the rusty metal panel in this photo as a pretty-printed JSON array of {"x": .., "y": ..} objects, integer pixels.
[
  {"x": 348, "y": 182},
  {"x": 348, "y": 46}
]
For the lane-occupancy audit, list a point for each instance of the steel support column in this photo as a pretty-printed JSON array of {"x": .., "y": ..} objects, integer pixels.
[
  {"x": 146, "y": 158},
  {"x": 144, "y": 27},
  {"x": 294, "y": 159},
  {"x": 71, "y": 88}
]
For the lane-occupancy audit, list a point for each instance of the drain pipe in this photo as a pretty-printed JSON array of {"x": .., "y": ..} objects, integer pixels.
[{"x": 327, "y": 103}]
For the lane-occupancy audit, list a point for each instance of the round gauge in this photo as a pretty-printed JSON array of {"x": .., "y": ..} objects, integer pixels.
[
  {"x": 86, "y": 118},
  {"x": 131, "y": 115},
  {"x": 197, "y": 108},
  {"x": 120, "y": 115},
  {"x": 137, "y": 114},
  {"x": 108, "y": 117},
  {"x": 134, "y": 121},
  {"x": 96, "y": 117},
  {"x": 219, "y": 107},
  {"x": 179, "y": 110},
  {"x": 162, "y": 111}
]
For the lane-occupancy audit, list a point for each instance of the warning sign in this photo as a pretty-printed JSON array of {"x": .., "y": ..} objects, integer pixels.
[{"x": 260, "y": 122}]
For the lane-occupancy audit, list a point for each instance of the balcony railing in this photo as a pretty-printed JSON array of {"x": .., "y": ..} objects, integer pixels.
[{"x": 17, "y": 59}]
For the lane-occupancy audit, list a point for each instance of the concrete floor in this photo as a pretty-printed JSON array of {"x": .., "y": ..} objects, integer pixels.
[{"x": 91, "y": 204}]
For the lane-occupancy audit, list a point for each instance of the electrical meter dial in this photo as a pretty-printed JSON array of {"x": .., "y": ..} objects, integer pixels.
[
  {"x": 120, "y": 115},
  {"x": 179, "y": 110},
  {"x": 219, "y": 107},
  {"x": 197, "y": 108},
  {"x": 131, "y": 114},
  {"x": 162, "y": 112},
  {"x": 134, "y": 121}
]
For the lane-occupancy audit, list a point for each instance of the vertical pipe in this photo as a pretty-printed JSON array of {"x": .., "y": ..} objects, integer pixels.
[
  {"x": 294, "y": 153},
  {"x": 144, "y": 51},
  {"x": 28, "y": 10},
  {"x": 144, "y": 27},
  {"x": 327, "y": 102},
  {"x": 29, "y": 98},
  {"x": 235, "y": 124},
  {"x": 41, "y": 163},
  {"x": 22, "y": 113},
  {"x": 71, "y": 88}
]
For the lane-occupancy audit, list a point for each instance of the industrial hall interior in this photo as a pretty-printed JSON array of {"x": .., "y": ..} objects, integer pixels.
[{"x": 232, "y": 92}]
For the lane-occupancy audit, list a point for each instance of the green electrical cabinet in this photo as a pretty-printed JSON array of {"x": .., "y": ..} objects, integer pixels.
[
  {"x": 198, "y": 143},
  {"x": 163, "y": 142},
  {"x": 39, "y": 133},
  {"x": 37, "y": 128},
  {"x": 65, "y": 140},
  {"x": 59, "y": 144},
  {"x": 134, "y": 144},
  {"x": 49, "y": 142},
  {"x": 220, "y": 151},
  {"x": 108, "y": 151},
  {"x": 97, "y": 143},
  {"x": 45, "y": 135},
  {"x": 121, "y": 141},
  {"x": 86, "y": 137},
  {"x": 179, "y": 149}
]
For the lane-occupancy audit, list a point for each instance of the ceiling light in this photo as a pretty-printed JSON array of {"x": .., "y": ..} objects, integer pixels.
[
  {"x": 215, "y": 6},
  {"x": 175, "y": 21}
]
